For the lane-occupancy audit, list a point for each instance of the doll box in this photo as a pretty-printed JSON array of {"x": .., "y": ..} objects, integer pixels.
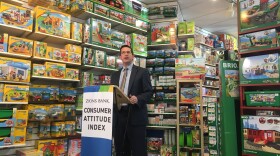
[
  {"x": 16, "y": 93},
  {"x": 56, "y": 70},
  {"x": 20, "y": 46},
  {"x": 263, "y": 98}
]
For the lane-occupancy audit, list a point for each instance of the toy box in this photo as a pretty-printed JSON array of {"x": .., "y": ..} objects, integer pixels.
[
  {"x": 38, "y": 112},
  {"x": 79, "y": 123},
  {"x": 74, "y": 147},
  {"x": 111, "y": 62},
  {"x": 259, "y": 69},
  {"x": 16, "y": 93},
  {"x": 56, "y": 70},
  {"x": 4, "y": 42},
  {"x": 53, "y": 147},
  {"x": 130, "y": 20},
  {"x": 58, "y": 129},
  {"x": 100, "y": 32},
  {"x": 52, "y": 22},
  {"x": 70, "y": 128},
  {"x": 260, "y": 135},
  {"x": 254, "y": 14},
  {"x": 45, "y": 130},
  {"x": 141, "y": 24},
  {"x": 151, "y": 62},
  {"x": 139, "y": 44},
  {"x": 182, "y": 28},
  {"x": 72, "y": 74},
  {"x": 67, "y": 94},
  {"x": 116, "y": 15},
  {"x": 86, "y": 33},
  {"x": 39, "y": 70},
  {"x": 40, "y": 49},
  {"x": 7, "y": 118},
  {"x": 74, "y": 53},
  {"x": 116, "y": 44},
  {"x": 189, "y": 67},
  {"x": 263, "y": 98},
  {"x": 190, "y": 43},
  {"x": 29, "y": 152},
  {"x": 88, "y": 56},
  {"x": 101, "y": 10},
  {"x": 40, "y": 93},
  {"x": 258, "y": 40},
  {"x": 76, "y": 31},
  {"x": 59, "y": 54},
  {"x": 76, "y": 5},
  {"x": 169, "y": 53},
  {"x": 163, "y": 33},
  {"x": 154, "y": 144},
  {"x": 210, "y": 71},
  {"x": 190, "y": 27},
  {"x": 117, "y": 36},
  {"x": 190, "y": 95},
  {"x": 56, "y": 112},
  {"x": 69, "y": 111},
  {"x": 16, "y": 16},
  {"x": 12, "y": 136},
  {"x": 85, "y": 79},
  {"x": 31, "y": 128},
  {"x": 21, "y": 118},
  {"x": 99, "y": 58},
  {"x": 20, "y": 46}
]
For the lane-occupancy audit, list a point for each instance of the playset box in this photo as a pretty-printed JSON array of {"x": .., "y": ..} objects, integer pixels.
[
  {"x": 38, "y": 70},
  {"x": 72, "y": 74},
  {"x": 189, "y": 67},
  {"x": 52, "y": 22},
  {"x": 56, "y": 112},
  {"x": 130, "y": 20},
  {"x": 190, "y": 44},
  {"x": 38, "y": 93},
  {"x": 4, "y": 42},
  {"x": 67, "y": 94},
  {"x": 16, "y": 93},
  {"x": 260, "y": 135},
  {"x": 45, "y": 130},
  {"x": 116, "y": 44},
  {"x": 55, "y": 70},
  {"x": 12, "y": 136},
  {"x": 263, "y": 98},
  {"x": 86, "y": 33},
  {"x": 190, "y": 27},
  {"x": 77, "y": 5},
  {"x": 28, "y": 152},
  {"x": 21, "y": 118},
  {"x": 57, "y": 129},
  {"x": 14, "y": 69},
  {"x": 210, "y": 71},
  {"x": 76, "y": 31},
  {"x": 54, "y": 147},
  {"x": 74, "y": 53},
  {"x": 69, "y": 111},
  {"x": 59, "y": 54},
  {"x": 259, "y": 69},
  {"x": 100, "y": 32},
  {"x": 163, "y": 33},
  {"x": 88, "y": 56},
  {"x": 191, "y": 95},
  {"x": 182, "y": 28},
  {"x": 99, "y": 58},
  {"x": 38, "y": 112},
  {"x": 74, "y": 147},
  {"x": 116, "y": 15},
  {"x": 154, "y": 144},
  {"x": 254, "y": 14},
  {"x": 7, "y": 118},
  {"x": 70, "y": 128},
  {"x": 20, "y": 46},
  {"x": 139, "y": 44},
  {"x": 141, "y": 24},
  {"x": 40, "y": 49},
  {"x": 101, "y": 10},
  {"x": 117, "y": 35},
  {"x": 111, "y": 62},
  {"x": 258, "y": 40},
  {"x": 88, "y": 6},
  {"x": 16, "y": 16}
]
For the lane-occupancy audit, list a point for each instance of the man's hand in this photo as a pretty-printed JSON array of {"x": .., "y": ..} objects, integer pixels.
[{"x": 133, "y": 99}]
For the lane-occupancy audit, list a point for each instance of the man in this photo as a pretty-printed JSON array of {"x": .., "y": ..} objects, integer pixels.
[{"x": 131, "y": 119}]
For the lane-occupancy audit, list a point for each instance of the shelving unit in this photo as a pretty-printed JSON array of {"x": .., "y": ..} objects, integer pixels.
[
  {"x": 55, "y": 79},
  {"x": 162, "y": 46},
  {"x": 12, "y": 55}
]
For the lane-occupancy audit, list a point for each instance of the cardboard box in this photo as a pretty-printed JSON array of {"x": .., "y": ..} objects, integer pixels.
[
  {"x": 101, "y": 10},
  {"x": 4, "y": 42},
  {"x": 55, "y": 70},
  {"x": 72, "y": 74},
  {"x": 139, "y": 44},
  {"x": 76, "y": 31},
  {"x": 100, "y": 32},
  {"x": 20, "y": 46},
  {"x": 100, "y": 58},
  {"x": 263, "y": 98},
  {"x": 39, "y": 70},
  {"x": 58, "y": 129},
  {"x": 74, "y": 53},
  {"x": 38, "y": 112},
  {"x": 40, "y": 49},
  {"x": 88, "y": 56},
  {"x": 56, "y": 112},
  {"x": 116, "y": 15},
  {"x": 74, "y": 147},
  {"x": 16, "y": 93},
  {"x": 163, "y": 33}
]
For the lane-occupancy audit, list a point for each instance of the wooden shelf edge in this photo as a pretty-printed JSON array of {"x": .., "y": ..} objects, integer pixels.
[
  {"x": 258, "y": 51},
  {"x": 258, "y": 29},
  {"x": 258, "y": 85},
  {"x": 51, "y": 78}
]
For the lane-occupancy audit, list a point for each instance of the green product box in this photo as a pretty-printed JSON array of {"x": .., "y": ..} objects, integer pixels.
[
  {"x": 129, "y": 20},
  {"x": 263, "y": 98},
  {"x": 100, "y": 32},
  {"x": 182, "y": 28},
  {"x": 190, "y": 27},
  {"x": 139, "y": 44},
  {"x": 190, "y": 44},
  {"x": 169, "y": 11},
  {"x": 116, "y": 15},
  {"x": 101, "y": 10}
]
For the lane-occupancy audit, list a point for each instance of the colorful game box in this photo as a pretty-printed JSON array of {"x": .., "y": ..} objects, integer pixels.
[
  {"x": 259, "y": 69},
  {"x": 101, "y": 10},
  {"x": 86, "y": 33},
  {"x": 163, "y": 33},
  {"x": 52, "y": 22},
  {"x": 69, "y": 111},
  {"x": 72, "y": 74},
  {"x": 117, "y": 35},
  {"x": 16, "y": 16},
  {"x": 191, "y": 95},
  {"x": 100, "y": 32},
  {"x": 88, "y": 56},
  {"x": 21, "y": 118},
  {"x": 70, "y": 128},
  {"x": 139, "y": 44},
  {"x": 38, "y": 70},
  {"x": 45, "y": 130},
  {"x": 67, "y": 94},
  {"x": 182, "y": 28},
  {"x": 129, "y": 20},
  {"x": 55, "y": 70},
  {"x": 20, "y": 46},
  {"x": 4, "y": 42},
  {"x": 74, "y": 53},
  {"x": 59, "y": 54},
  {"x": 53, "y": 147},
  {"x": 40, "y": 49},
  {"x": 56, "y": 112},
  {"x": 99, "y": 58},
  {"x": 263, "y": 98},
  {"x": 74, "y": 147},
  {"x": 141, "y": 24},
  {"x": 190, "y": 27},
  {"x": 116, "y": 15},
  {"x": 111, "y": 62},
  {"x": 38, "y": 112},
  {"x": 38, "y": 93},
  {"x": 16, "y": 93},
  {"x": 189, "y": 67},
  {"x": 76, "y": 31},
  {"x": 258, "y": 40},
  {"x": 58, "y": 129}
]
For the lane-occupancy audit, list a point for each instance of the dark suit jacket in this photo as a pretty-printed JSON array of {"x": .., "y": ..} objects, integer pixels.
[{"x": 139, "y": 86}]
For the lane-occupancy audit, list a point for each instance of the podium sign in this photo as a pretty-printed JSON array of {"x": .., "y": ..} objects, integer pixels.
[{"x": 97, "y": 121}]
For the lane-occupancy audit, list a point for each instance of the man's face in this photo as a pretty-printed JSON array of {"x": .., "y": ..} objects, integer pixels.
[{"x": 126, "y": 56}]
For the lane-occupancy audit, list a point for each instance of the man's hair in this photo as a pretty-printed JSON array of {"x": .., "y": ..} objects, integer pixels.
[{"x": 123, "y": 46}]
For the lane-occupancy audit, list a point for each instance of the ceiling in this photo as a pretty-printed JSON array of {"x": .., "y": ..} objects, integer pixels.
[{"x": 216, "y": 16}]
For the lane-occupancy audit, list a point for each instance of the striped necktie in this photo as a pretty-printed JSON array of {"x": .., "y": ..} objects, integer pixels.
[{"x": 123, "y": 79}]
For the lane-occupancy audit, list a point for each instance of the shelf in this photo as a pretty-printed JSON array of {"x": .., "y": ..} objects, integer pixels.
[
  {"x": 51, "y": 60},
  {"x": 79, "y": 109},
  {"x": 12, "y": 146},
  {"x": 212, "y": 65},
  {"x": 162, "y": 127},
  {"x": 260, "y": 108},
  {"x": 14, "y": 31},
  {"x": 118, "y": 25},
  {"x": 182, "y": 36},
  {"x": 163, "y": 46},
  {"x": 151, "y": 113},
  {"x": 78, "y": 132},
  {"x": 205, "y": 45},
  {"x": 39, "y": 36},
  {"x": 259, "y": 85},
  {"x": 110, "y": 51},
  {"x": 188, "y": 103},
  {"x": 209, "y": 77},
  {"x": 210, "y": 96},
  {"x": 13, "y": 55},
  {"x": 259, "y": 29},
  {"x": 15, "y": 82},
  {"x": 98, "y": 68},
  {"x": 206, "y": 86},
  {"x": 186, "y": 51},
  {"x": 160, "y": 20},
  {"x": 56, "y": 79},
  {"x": 259, "y": 51},
  {"x": 190, "y": 125},
  {"x": 13, "y": 103},
  {"x": 191, "y": 148}
]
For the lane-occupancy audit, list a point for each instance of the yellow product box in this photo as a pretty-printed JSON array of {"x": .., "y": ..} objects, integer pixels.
[
  {"x": 76, "y": 31},
  {"x": 55, "y": 70},
  {"x": 58, "y": 129},
  {"x": 38, "y": 112},
  {"x": 45, "y": 130},
  {"x": 16, "y": 16},
  {"x": 38, "y": 70},
  {"x": 21, "y": 118},
  {"x": 56, "y": 112},
  {"x": 20, "y": 46},
  {"x": 40, "y": 49},
  {"x": 29, "y": 152},
  {"x": 4, "y": 42},
  {"x": 54, "y": 146},
  {"x": 19, "y": 135},
  {"x": 52, "y": 22},
  {"x": 16, "y": 93},
  {"x": 72, "y": 74},
  {"x": 60, "y": 54},
  {"x": 14, "y": 69},
  {"x": 74, "y": 53},
  {"x": 70, "y": 128},
  {"x": 49, "y": 54}
]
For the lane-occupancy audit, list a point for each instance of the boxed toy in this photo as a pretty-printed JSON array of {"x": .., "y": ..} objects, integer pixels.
[
  {"x": 154, "y": 144},
  {"x": 69, "y": 111},
  {"x": 139, "y": 44},
  {"x": 52, "y": 22},
  {"x": 86, "y": 33},
  {"x": 74, "y": 53},
  {"x": 190, "y": 27},
  {"x": 88, "y": 56},
  {"x": 101, "y": 10},
  {"x": 56, "y": 112},
  {"x": 89, "y": 5},
  {"x": 169, "y": 53},
  {"x": 127, "y": 40},
  {"x": 189, "y": 67},
  {"x": 253, "y": 15},
  {"x": 130, "y": 20},
  {"x": 16, "y": 93},
  {"x": 111, "y": 62},
  {"x": 59, "y": 54},
  {"x": 16, "y": 16},
  {"x": 38, "y": 70},
  {"x": 58, "y": 129},
  {"x": 117, "y": 35},
  {"x": 259, "y": 69},
  {"x": 76, "y": 5},
  {"x": 4, "y": 42},
  {"x": 85, "y": 79},
  {"x": 72, "y": 74},
  {"x": 76, "y": 31},
  {"x": 191, "y": 95},
  {"x": 56, "y": 70},
  {"x": 20, "y": 46},
  {"x": 70, "y": 128},
  {"x": 182, "y": 28},
  {"x": 99, "y": 58},
  {"x": 38, "y": 93},
  {"x": 54, "y": 147},
  {"x": 100, "y": 32},
  {"x": 67, "y": 94},
  {"x": 29, "y": 152},
  {"x": 258, "y": 40},
  {"x": 190, "y": 43},
  {"x": 263, "y": 98},
  {"x": 21, "y": 118},
  {"x": 141, "y": 24},
  {"x": 210, "y": 71},
  {"x": 40, "y": 49},
  {"x": 12, "y": 136},
  {"x": 116, "y": 44},
  {"x": 163, "y": 33},
  {"x": 260, "y": 135},
  {"x": 45, "y": 130},
  {"x": 79, "y": 123},
  {"x": 116, "y": 15},
  {"x": 74, "y": 147},
  {"x": 38, "y": 112}
]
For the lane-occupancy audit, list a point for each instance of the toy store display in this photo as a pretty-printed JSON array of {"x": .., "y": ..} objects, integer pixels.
[{"x": 162, "y": 33}]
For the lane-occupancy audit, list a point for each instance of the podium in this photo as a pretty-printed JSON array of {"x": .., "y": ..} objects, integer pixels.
[{"x": 97, "y": 118}]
